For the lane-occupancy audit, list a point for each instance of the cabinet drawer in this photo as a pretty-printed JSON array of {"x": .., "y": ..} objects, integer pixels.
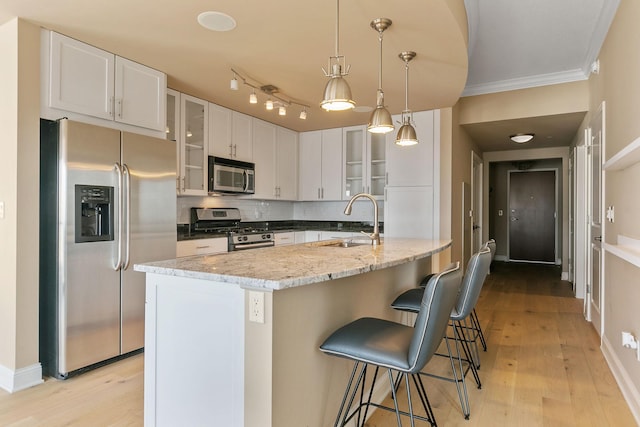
[{"x": 201, "y": 247}]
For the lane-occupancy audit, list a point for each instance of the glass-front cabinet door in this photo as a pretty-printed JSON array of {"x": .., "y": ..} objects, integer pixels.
[
  {"x": 376, "y": 163},
  {"x": 193, "y": 145},
  {"x": 172, "y": 129},
  {"x": 363, "y": 162}
]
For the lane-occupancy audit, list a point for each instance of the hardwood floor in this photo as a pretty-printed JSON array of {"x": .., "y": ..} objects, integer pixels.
[{"x": 543, "y": 367}]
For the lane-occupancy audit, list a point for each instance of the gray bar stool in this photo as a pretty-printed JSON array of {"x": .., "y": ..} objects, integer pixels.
[
  {"x": 475, "y": 321},
  {"x": 463, "y": 334},
  {"x": 395, "y": 347}
]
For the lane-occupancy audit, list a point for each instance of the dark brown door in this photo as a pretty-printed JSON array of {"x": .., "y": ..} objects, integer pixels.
[{"x": 532, "y": 222}]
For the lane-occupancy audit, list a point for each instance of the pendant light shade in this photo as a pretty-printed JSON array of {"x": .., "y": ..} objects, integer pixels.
[
  {"x": 337, "y": 93},
  {"x": 407, "y": 133},
  {"x": 380, "y": 120}
]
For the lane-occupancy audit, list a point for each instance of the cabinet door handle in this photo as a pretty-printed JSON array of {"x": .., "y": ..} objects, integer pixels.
[
  {"x": 386, "y": 178},
  {"x": 322, "y": 192},
  {"x": 119, "y": 109},
  {"x": 230, "y": 150},
  {"x": 202, "y": 247},
  {"x": 318, "y": 192},
  {"x": 110, "y": 107},
  {"x": 235, "y": 150}
]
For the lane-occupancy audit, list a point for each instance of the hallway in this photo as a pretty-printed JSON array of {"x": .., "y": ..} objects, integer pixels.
[{"x": 543, "y": 365}]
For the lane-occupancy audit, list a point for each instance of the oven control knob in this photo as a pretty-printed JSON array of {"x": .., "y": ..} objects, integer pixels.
[{"x": 245, "y": 238}]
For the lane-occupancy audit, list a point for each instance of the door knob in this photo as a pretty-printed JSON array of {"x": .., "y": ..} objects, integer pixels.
[{"x": 514, "y": 218}]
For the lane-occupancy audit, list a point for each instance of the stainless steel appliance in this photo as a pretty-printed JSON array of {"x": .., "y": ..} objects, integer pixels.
[
  {"x": 231, "y": 176},
  {"x": 227, "y": 221},
  {"x": 107, "y": 201}
]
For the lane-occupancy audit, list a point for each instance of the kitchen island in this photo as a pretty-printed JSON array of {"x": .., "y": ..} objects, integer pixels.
[{"x": 232, "y": 339}]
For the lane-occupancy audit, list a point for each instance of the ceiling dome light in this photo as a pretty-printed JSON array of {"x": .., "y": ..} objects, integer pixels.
[
  {"x": 337, "y": 93},
  {"x": 522, "y": 138},
  {"x": 380, "y": 120},
  {"x": 216, "y": 21}
]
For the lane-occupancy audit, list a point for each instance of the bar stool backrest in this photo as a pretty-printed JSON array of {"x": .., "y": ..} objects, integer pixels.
[
  {"x": 440, "y": 295},
  {"x": 491, "y": 244},
  {"x": 477, "y": 271}
]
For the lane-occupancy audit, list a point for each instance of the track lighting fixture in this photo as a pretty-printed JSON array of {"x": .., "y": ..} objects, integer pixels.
[
  {"x": 275, "y": 98},
  {"x": 234, "y": 83},
  {"x": 337, "y": 93}
]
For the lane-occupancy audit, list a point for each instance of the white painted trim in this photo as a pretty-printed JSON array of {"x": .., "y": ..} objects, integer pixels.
[
  {"x": 502, "y": 258},
  {"x": 20, "y": 379},
  {"x": 623, "y": 378},
  {"x": 564, "y": 275},
  {"x": 526, "y": 82}
]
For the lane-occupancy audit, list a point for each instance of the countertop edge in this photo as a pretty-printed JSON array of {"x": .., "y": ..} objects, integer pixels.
[{"x": 169, "y": 268}]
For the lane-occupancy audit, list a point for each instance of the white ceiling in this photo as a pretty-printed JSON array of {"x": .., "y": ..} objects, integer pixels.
[{"x": 513, "y": 44}]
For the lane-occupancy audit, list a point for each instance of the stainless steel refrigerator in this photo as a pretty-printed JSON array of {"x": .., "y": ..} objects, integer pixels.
[{"x": 107, "y": 201}]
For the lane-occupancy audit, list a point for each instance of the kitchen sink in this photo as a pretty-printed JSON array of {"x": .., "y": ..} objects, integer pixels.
[{"x": 340, "y": 243}]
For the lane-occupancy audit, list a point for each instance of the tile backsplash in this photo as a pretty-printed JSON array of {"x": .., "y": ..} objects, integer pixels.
[{"x": 275, "y": 210}]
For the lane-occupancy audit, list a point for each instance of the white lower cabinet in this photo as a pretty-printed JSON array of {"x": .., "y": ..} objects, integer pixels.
[
  {"x": 201, "y": 247},
  {"x": 286, "y": 238}
]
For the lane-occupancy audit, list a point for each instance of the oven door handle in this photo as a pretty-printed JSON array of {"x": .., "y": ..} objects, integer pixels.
[{"x": 245, "y": 246}]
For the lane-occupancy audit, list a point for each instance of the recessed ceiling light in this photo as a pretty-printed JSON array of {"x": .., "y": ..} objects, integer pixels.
[
  {"x": 521, "y": 138},
  {"x": 216, "y": 21}
]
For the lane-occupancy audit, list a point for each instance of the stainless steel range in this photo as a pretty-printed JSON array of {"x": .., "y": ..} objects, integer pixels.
[{"x": 227, "y": 221}]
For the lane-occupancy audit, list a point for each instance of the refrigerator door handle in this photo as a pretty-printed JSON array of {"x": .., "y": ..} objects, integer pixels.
[
  {"x": 118, "y": 170},
  {"x": 127, "y": 211}
]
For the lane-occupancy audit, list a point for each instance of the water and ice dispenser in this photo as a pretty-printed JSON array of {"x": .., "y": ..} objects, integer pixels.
[{"x": 94, "y": 213}]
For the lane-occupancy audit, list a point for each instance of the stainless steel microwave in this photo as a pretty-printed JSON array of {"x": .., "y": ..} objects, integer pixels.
[{"x": 231, "y": 176}]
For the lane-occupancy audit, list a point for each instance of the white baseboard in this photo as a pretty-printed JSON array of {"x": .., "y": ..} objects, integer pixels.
[
  {"x": 502, "y": 258},
  {"x": 564, "y": 275},
  {"x": 20, "y": 379},
  {"x": 629, "y": 390}
]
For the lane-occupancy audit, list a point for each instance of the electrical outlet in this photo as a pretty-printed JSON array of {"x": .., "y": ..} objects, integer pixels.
[{"x": 256, "y": 307}]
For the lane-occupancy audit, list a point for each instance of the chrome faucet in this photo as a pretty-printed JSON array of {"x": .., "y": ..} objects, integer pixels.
[{"x": 375, "y": 236}]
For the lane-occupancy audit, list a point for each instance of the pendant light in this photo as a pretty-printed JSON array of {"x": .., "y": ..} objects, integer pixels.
[
  {"x": 407, "y": 134},
  {"x": 337, "y": 93},
  {"x": 380, "y": 120}
]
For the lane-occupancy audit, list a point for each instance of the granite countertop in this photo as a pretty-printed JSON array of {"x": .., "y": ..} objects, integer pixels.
[
  {"x": 185, "y": 232},
  {"x": 283, "y": 267}
]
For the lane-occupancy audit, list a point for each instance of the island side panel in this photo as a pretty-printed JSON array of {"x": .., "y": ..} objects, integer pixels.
[
  {"x": 258, "y": 364},
  {"x": 194, "y": 352},
  {"x": 307, "y": 384}
]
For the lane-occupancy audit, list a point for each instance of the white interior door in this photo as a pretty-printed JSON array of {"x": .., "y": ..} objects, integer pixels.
[
  {"x": 595, "y": 279},
  {"x": 580, "y": 223},
  {"x": 467, "y": 234}
]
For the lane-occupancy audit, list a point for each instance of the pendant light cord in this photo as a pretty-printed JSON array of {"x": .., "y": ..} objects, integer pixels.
[
  {"x": 406, "y": 86},
  {"x": 380, "y": 73},
  {"x": 337, "y": 28}
]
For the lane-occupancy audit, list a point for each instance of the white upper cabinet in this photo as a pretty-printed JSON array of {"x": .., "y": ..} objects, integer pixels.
[
  {"x": 264, "y": 149},
  {"x": 90, "y": 81},
  {"x": 286, "y": 164},
  {"x": 230, "y": 134},
  {"x": 414, "y": 165},
  {"x": 275, "y": 150},
  {"x": 363, "y": 162},
  {"x": 139, "y": 95},
  {"x": 193, "y": 141},
  {"x": 320, "y": 173},
  {"x": 172, "y": 131}
]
